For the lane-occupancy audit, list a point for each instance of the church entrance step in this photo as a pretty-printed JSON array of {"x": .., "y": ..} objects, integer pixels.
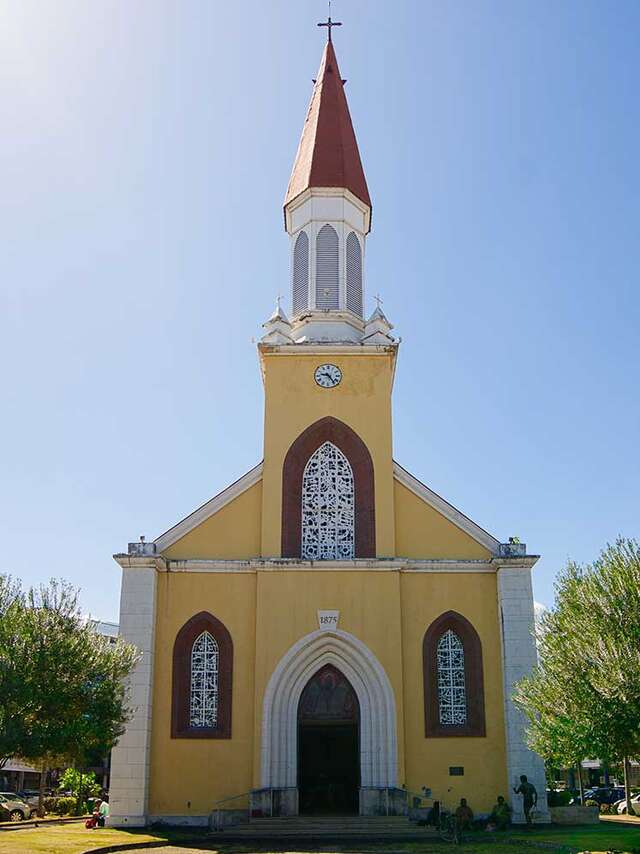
[{"x": 391, "y": 828}]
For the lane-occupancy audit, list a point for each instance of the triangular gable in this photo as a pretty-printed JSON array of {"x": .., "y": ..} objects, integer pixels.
[
  {"x": 214, "y": 505},
  {"x": 445, "y": 509}
]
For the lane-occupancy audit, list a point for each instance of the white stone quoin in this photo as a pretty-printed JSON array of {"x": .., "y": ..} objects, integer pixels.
[
  {"x": 515, "y": 601},
  {"x": 129, "y": 789}
]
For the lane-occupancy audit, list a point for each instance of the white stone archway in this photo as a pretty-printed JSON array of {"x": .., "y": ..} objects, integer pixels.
[{"x": 378, "y": 736}]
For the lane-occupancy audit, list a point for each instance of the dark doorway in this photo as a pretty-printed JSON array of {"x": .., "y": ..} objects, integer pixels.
[{"x": 328, "y": 745}]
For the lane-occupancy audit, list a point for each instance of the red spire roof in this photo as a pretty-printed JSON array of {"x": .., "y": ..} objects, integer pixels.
[{"x": 328, "y": 153}]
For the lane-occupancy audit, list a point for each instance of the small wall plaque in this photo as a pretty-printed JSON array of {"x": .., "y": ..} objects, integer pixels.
[
  {"x": 328, "y": 620},
  {"x": 456, "y": 771}
]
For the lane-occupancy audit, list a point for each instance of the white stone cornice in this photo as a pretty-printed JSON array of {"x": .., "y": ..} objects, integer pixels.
[
  {"x": 445, "y": 509},
  {"x": 208, "y": 509},
  {"x": 525, "y": 562},
  {"x": 346, "y": 348},
  {"x": 256, "y": 565},
  {"x": 336, "y": 194},
  {"x": 127, "y": 561}
]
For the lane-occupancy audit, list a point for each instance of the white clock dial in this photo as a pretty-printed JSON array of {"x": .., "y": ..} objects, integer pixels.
[{"x": 327, "y": 376}]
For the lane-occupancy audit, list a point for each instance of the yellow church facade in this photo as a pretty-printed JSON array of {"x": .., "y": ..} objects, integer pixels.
[{"x": 327, "y": 635}]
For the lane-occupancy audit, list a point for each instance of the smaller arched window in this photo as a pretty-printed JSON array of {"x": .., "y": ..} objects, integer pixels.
[
  {"x": 202, "y": 679},
  {"x": 327, "y": 269},
  {"x": 354, "y": 274},
  {"x": 300, "y": 288},
  {"x": 203, "y": 704},
  {"x": 453, "y": 678},
  {"x": 452, "y": 694}
]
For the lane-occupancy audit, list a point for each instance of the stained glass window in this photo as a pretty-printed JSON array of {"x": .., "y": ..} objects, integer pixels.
[
  {"x": 328, "y": 506},
  {"x": 203, "y": 707},
  {"x": 452, "y": 695}
]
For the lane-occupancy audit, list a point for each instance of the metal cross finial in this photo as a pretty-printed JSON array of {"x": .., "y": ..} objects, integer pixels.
[
  {"x": 329, "y": 23},
  {"x": 278, "y": 298},
  {"x": 378, "y": 299}
]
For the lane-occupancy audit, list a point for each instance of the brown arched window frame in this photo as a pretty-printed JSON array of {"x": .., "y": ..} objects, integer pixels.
[
  {"x": 343, "y": 437},
  {"x": 181, "y": 689},
  {"x": 473, "y": 677}
]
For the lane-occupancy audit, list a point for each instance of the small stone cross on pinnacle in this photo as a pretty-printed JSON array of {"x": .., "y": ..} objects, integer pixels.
[
  {"x": 379, "y": 300},
  {"x": 329, "y": 23}
]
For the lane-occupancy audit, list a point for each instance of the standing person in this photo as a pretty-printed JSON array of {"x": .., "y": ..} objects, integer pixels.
[{"x": 529, "y": 797}]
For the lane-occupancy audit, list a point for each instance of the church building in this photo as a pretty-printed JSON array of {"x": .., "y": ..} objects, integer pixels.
[{"x": 327, "y": 635}]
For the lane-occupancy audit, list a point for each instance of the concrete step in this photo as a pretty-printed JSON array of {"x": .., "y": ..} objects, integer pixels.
[{"x": 328, "y": 827}]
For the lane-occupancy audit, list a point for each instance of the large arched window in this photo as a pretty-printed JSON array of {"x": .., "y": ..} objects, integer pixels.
[
  {"x": 354, "y": 274},
  {"x": 328, "y": 520},
  {"x": 327, "y": 269},
  {"x": 453, "y": 678},
  {"x": 202, "y": 679},
  {"x": 360, "y": 507},
  {"x": 300, "y": 290}
]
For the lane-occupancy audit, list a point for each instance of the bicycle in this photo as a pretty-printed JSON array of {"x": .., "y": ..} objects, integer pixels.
[{"x": 449, "y": 828}]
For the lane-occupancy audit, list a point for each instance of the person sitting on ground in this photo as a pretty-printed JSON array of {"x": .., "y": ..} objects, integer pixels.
[
  {"x": 103, "y": 813},
  {"x": 500, "y": 815},
  {"x": 464, "y": 815}
]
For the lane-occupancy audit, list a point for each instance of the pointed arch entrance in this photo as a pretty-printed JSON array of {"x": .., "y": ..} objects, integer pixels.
[
  {"x": 328, "y": 744},
  {"x": 377, "y": 727}
]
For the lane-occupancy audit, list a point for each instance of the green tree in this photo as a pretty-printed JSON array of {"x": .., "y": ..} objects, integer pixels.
[
  {"x": 81, "y": 784},
  {"x": 73, "y": 698},
  {"x": 583, "y": 700},
  {"x": 12, "y": 658}
]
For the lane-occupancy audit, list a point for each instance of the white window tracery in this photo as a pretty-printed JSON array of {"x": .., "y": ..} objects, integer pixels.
[
  {"x": 328, "y": 499},
  {"x": 203, "y": 701},
  {"x": 452, "y": 694}
]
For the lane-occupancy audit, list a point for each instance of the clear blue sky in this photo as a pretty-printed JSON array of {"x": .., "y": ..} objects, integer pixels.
[{"x": 144, "y": 152}]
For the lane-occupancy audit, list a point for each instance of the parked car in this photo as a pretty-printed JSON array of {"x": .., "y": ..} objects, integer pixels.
[
  {"x": 12, "y": 808},
  {"x": 30, "y": 796},
  {"x": 601, "y": 794},
  {"x": 635, "y": 801}
]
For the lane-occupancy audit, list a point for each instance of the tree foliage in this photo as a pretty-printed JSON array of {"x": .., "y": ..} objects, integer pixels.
[
  {"x": 81, "y": 785},
  {"x": 62, "y": 684},
  {"x": 583, "y": 700}
]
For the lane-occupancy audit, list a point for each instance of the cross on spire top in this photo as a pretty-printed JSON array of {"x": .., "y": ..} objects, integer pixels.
[
  {"x": 378, "y": 300},
  {"x": 329, "y": 23}
]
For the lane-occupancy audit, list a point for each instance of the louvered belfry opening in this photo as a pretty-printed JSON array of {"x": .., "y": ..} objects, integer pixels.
[
  {"x": 327, "y": 269},
  {"x": 354, "y": 274},
  {"x": 300, "y": 291}
]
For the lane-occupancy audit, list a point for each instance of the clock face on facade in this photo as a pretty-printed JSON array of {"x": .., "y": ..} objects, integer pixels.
[{"x": 327, "y": 376}]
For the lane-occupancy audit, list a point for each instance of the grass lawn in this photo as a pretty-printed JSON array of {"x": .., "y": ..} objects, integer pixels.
[{"x": 76, "y": 839}]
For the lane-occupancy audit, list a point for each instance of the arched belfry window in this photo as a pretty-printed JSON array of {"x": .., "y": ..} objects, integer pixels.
[
  {"x": 328, "y": 495},
  {"x": 453, "y": 678},
  {"x": 327, "y": 269},
  {"x": 354, "y": 274},
  {"x": 202, "y": 679},
  {"x": 203, "y": 703},
  {"x": 300, "y": 287},
  {"x": 328, "y": 518}
]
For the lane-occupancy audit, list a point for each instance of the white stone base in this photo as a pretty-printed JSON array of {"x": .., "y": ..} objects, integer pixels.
[
  {"x": 126, "y": 821},
  {"x": 180, "y": 820}
]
